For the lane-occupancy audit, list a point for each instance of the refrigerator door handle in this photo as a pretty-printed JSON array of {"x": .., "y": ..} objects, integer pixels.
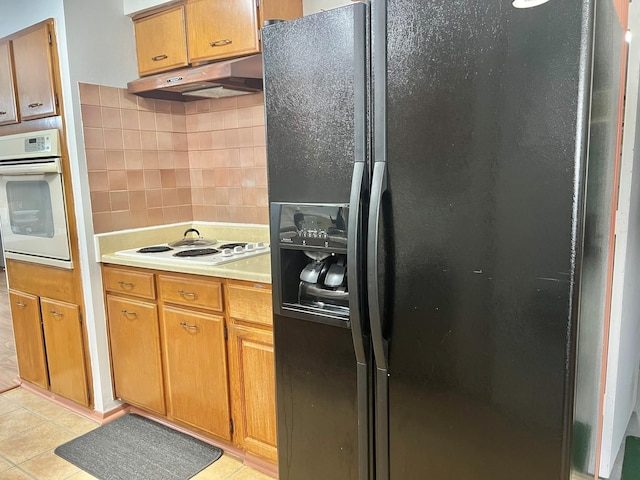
[
  {"x": 353, "y": 261},
  {"x": 378, "y": 188},
  {"x": 356, "y": 306}
]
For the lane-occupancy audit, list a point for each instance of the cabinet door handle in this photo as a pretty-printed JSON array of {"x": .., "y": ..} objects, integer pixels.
[
  {"x": 220, "y": 43},
  {"x": 55, "y": 314},
  {"x": 190, "y": 295},
  {"x": 186, "y": 326},
  {"x": 126, "y": 284},
  {"x": 129, "y": 314},
  {"x": 157, "y": 58},
  {"x": 21, "y": 305},
  {"x": 3, "y": 113},
  {"x": 35, "y": 105}
]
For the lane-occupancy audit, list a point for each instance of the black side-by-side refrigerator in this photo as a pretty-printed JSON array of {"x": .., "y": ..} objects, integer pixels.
[{"x": 427, "y": 170}]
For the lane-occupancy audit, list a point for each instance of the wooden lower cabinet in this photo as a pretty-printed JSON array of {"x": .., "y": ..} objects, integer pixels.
[
  {"x": 251, "y": 374},
  {"x": 196, "y": 369},
  {"x": 136, "y": 361},
  {"x": 27, "y": 330},
  {"x": 65, "y": 350},
  {"x": 196, "y": 349}
]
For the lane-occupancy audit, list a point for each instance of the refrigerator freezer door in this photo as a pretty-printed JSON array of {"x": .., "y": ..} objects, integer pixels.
[
  {"x": 316, "y": 75},
  {"x": 479, "y": 138}
]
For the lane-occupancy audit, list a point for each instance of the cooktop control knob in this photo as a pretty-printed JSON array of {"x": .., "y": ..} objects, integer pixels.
[
  {"x": 227, "y": 252},
  {"x": 250, "y": 247},
  {"x": 238, "y": 249},
  {"x": 260, "y": 246}
]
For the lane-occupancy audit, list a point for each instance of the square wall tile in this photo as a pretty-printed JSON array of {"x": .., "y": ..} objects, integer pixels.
[{"x": 89, "y": 94}]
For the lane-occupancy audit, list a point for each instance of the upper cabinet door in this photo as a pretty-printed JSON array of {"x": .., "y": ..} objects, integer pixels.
[
  {"x": 219, "y": 29},
  {"x": 279, "y": 10},
  {"x": 161, "y": 41},
  {"x": 33, "y": 61},
  {"x": 8, "y": 110}
]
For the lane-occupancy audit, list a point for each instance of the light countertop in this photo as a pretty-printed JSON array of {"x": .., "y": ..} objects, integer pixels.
[{"x": 254, "y": 269}]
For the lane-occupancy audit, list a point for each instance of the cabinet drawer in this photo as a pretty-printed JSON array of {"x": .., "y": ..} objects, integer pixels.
[
  {"x": 251, "y": 303},
  {"x": 140, "y": 284},
  {"x": 191, "y": 292}
]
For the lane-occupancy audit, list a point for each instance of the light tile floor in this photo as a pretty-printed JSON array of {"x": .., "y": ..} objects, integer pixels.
[{"x": 32, "y": 427}]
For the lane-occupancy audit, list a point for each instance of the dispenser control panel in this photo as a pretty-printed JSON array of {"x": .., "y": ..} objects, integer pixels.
[{"x": 314, "y": 226}]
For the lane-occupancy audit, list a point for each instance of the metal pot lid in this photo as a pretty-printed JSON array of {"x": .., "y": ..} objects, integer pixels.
[{"x": 192, "y": 240}]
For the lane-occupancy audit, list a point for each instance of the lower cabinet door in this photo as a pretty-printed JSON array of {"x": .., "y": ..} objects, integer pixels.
[
  {"x": 251, "y": 371},
  {"x": 134, "y": 335},
  {"x": 196, "y": 370},
  {"x": 65, "y": 350},
  {"x": 27, "y": 330}
]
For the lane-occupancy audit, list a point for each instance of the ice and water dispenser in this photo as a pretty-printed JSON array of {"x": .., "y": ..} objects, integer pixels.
[{"x": 310, "y": 250}]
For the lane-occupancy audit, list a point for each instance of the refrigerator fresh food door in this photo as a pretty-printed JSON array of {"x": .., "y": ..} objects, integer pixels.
[{"x": 474, "y": 236}]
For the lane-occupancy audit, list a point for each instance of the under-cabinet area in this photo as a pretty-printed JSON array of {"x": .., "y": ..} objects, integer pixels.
[{"x": 197, "y": 350}]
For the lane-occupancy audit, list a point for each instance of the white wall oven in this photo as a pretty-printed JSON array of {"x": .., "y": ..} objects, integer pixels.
[{"x": 32, "y": 206}]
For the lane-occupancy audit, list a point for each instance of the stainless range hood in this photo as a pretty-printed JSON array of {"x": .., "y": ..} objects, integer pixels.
[{"x": 213, "y": 80}]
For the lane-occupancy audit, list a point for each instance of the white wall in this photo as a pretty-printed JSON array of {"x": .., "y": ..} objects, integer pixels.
[
  {"x": 131, "y": 7},
  {"x": 101, "y": 50},
  {"x": 315, "y": 6},
  {"x": 624, "y": 340},
  {"x": 95, "y": 45},
  {"x": 15, "y": 16}
]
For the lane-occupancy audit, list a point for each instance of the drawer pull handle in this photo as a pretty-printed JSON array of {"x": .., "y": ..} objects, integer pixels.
[
  {"x": 188, "y": 295},
  {"x": 3, "y": 113},
  {"x": 220, "y": 43},
  {"x": 55, "y": 314},
  {"x": 126, "y": 284},
  {"x": 21, "y": 305},
  {"x": 186, "y": 326},
  {"x": 35, "y": 105},
  {"x": 129, "y": 314},
  {"x": 157, "y": 58}
]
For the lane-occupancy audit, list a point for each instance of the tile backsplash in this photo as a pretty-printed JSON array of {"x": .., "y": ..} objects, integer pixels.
[{"x": 154, "y": 162}]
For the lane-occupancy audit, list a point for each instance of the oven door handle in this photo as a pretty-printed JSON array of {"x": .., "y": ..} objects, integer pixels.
[
  {"x": 31, "y": 168},
  {"x": 21, "y": 178}
]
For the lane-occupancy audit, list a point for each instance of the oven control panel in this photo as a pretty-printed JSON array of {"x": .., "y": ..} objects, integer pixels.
[{"x": 40, "y": 143}]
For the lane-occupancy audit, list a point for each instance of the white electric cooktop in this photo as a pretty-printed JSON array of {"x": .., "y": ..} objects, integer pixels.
[{"x": 215, "y": 254}]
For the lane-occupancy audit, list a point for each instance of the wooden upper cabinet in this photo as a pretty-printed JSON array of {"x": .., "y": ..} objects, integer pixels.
[
  {"x": 220, "y": 29},
  {"x": 8, "y": 109},
  {"x": 65, "y": 350},
  {"x": 27, "y": 330},
  {"x": 161, "y": 42},
  {"x": 34, "y": 67},
  {"x": 279, "y": 10}
]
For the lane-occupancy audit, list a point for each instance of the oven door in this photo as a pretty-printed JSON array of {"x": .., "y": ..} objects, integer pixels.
[{"x": 33, "y": 214}]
